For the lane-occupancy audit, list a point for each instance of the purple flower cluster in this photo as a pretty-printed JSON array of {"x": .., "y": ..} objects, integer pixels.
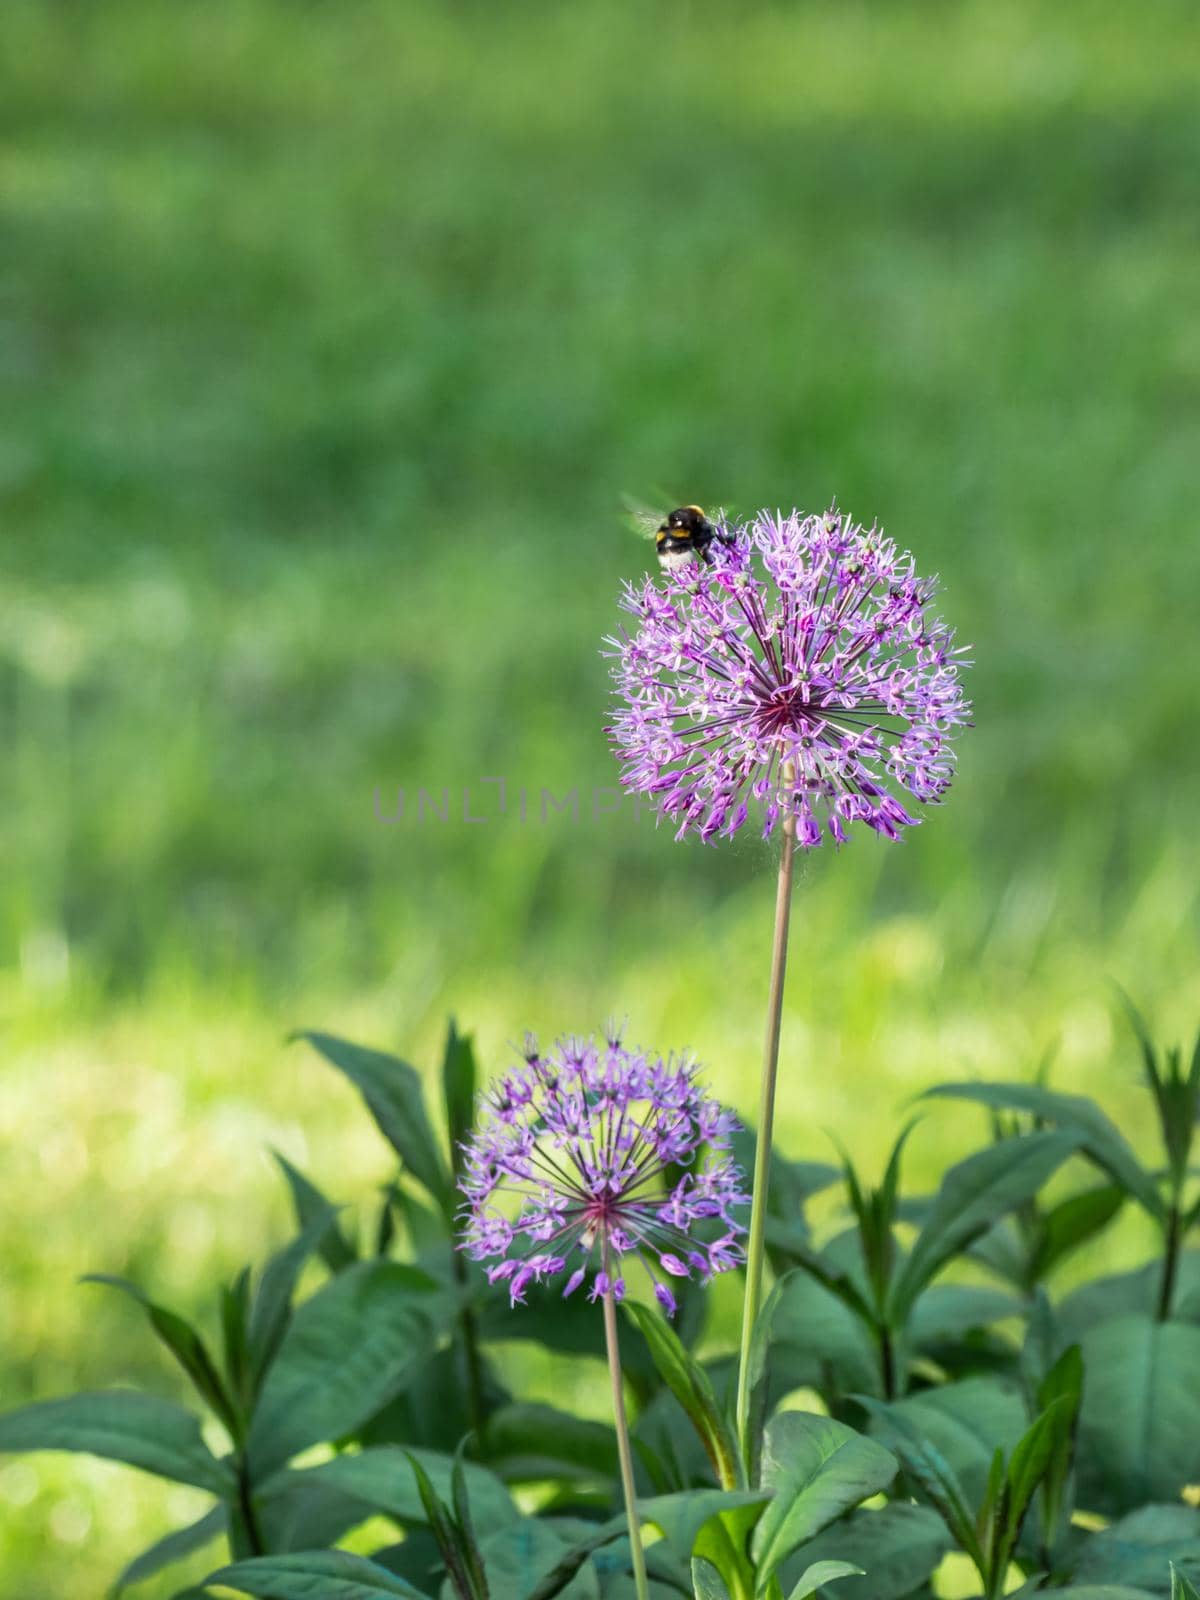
[
  {"x": 590, "y": 1154},
  {"x": 800, "y": 669}
]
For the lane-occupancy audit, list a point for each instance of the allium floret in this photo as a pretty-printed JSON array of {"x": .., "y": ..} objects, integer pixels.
[
  {"x": 800, "y": 671},
  {"x": 592, "y": 1154}
]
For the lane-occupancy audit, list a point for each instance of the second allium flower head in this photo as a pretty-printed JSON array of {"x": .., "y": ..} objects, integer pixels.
[
  {"x": 591, "y": 1154},
  {"x": 801, "y": 669}
]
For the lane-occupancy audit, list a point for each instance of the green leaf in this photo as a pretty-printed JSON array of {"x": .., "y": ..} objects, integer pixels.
[
  {"x": 458, "y": 1089},
  {"x": 382, "y": 1479},
  {"x": 520, "y": 1557},
  {"x": 309, "y": 1203},
  {"x": 723, "y": 1541},
  {"x": 121, "y": 1425},
  {"x": 348, "y": 1350},
  {"x": 821, "y": 1340},
  {"x": 314, "y": 1575},
  {"x": 173, "y": 1547},
  {"x": 946, "y": 1312},
  {"x": 707, "y": 1582},
  {"x": 821, "y": 1573},
  {"x": 1136, "y": 1549},
  {"x": 184, "y": 1343},
  {"x": 1139, "y": 1428},
  {"x": 966, "y": 1423},
  {"x": 681, "y": 1517},
  {"x": 1072, "y": 1223},
  {"x": 297, "y": 1512},
  {"x": 460, "y": 1568},
  {"x": 1062, "y": 1384},
  {"x": 818, "y": 1469},
  {"x": 930, "y": 1472},
  {"x": 758, "y": 1375},
  {"x": 392, "y": 1091},
  {"x": 690, "y": 1385},
  {"x": 1101, "y": 1142},
  {"x": 1124, "y": 1294},
  {"x": 528, "y": 1442},
  {"x": 972, "y": 1196},
  {"x": 1181, "y": 1588},
  {"x": 272, "y": 1306},
  {"x": 560, "y": 1575},
  {"x": 235, "y": 1310},
  {"x": 897, "y": 1547}
]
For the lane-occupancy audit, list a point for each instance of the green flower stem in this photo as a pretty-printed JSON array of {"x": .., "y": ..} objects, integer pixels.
[
  {"x": 766, "y": 1119},
  {"x": 620, "y": 1422}
]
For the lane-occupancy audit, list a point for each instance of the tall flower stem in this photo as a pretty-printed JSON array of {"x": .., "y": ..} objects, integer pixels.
[
  {"x": 766, "y": 1114},
  {"x": 624, "y": 1453}
]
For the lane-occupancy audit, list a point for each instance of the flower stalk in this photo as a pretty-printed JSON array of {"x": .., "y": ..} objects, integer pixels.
[
  {"x": 624, "y": 1453},
  {"x": 756, "y": 1245}
]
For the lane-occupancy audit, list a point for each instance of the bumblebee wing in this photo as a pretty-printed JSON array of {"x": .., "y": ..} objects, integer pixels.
[{"x": 639, "y": 518}]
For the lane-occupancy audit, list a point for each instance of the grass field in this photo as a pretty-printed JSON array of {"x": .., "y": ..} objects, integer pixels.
[{"x": 330, "y": 338}]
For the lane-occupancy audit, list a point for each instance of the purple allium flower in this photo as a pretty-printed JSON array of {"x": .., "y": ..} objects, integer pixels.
[
  {"x": 592, "y": 1153},
  {"x": 800, "y": 669}
]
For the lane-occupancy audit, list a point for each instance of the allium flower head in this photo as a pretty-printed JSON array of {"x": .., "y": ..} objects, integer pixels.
[
  {"x": 802, "y": 670},
  {"x": 591, "y": 1154}
]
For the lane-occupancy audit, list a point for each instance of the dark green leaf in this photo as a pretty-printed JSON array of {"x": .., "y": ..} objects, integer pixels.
[
  {"x": 1137, "y": 1549},
  {"x": 931, "y": 1474},
  {"x": 1139, "y": 1429},
  {"x": 1102, "y": 1142},
  {"x": 526, "y": 1442},
  {"x": 560, "y": 1575},
  {"x": 947, "y": 1312},
  {"x": 758, "y": 1375},
  {"x": 1129, "y": 1294},
  {"x": 309, "y": 1203},
  {"x": 347, "y": 1351},
  {"x": 690, "y": 1385},
  {"x": 897, "y": 1548},
  {"x": 458, "y": 1088},
  {"x": 272, "y": 1304},
  {"x": 173, "y": 1547},
  {"x": 459, "y": 1566},
  {"x": 1181, "y": 1587},
  {"x": 1073, "y": 1222},
  {"x": 392, "y": 1091},
  {"x": 298, "y": 1512},
  {"x": 121, "y": 1425},
  {"x": 966, "y": 1422},
  {"x": 314, "y": 1575},
  {"x": 818, "y": 1469},
  {"x": 821, "y": 1341},
  {"x": 680, "y": 1517},
  {"x": 520, "y": 1557},
  {"x": 184, "y": 1343},
  {"x": 972, "y": 1196},
  {"x": 382, "y": 1478}
]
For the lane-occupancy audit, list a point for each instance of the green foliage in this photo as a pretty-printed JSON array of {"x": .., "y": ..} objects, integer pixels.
[{"x": 971, "y": 1443}]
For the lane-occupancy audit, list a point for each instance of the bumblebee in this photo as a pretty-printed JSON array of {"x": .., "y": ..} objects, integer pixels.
[{"x": 683, "y": 536}]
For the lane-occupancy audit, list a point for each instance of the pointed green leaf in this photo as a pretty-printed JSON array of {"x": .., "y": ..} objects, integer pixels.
[
  {"x": 521, "y": 1557},
  {"x": 1102, "y": 1142},
  {"x": 972, "y": 1197},
  {"x": 173, "y": 1547},
  {"x": 348, "y": 1350},
  {"x": 383, "y": 1478},
  {"x": 392, "y": 1091},
  {"x": 309, "y": 1203},
  {"x": 896, "y": 1546},
  {"x": 690, "y": 1385},
  {"x": 458, "y": 1089},
  {"x": 272, "y": 1304},
  {"x": 821, "y": 1573},
  {"x": 121, "y": 1425},
  {"x": 818, "y": 1469},
  {"x": 184, "y": 1343},
  {"x": 314, "y": 1575},
  {"x": 1181, "y": 1587}
]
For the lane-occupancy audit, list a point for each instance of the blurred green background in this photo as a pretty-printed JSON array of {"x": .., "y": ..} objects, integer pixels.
[{"x": 330, "y": 337}]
